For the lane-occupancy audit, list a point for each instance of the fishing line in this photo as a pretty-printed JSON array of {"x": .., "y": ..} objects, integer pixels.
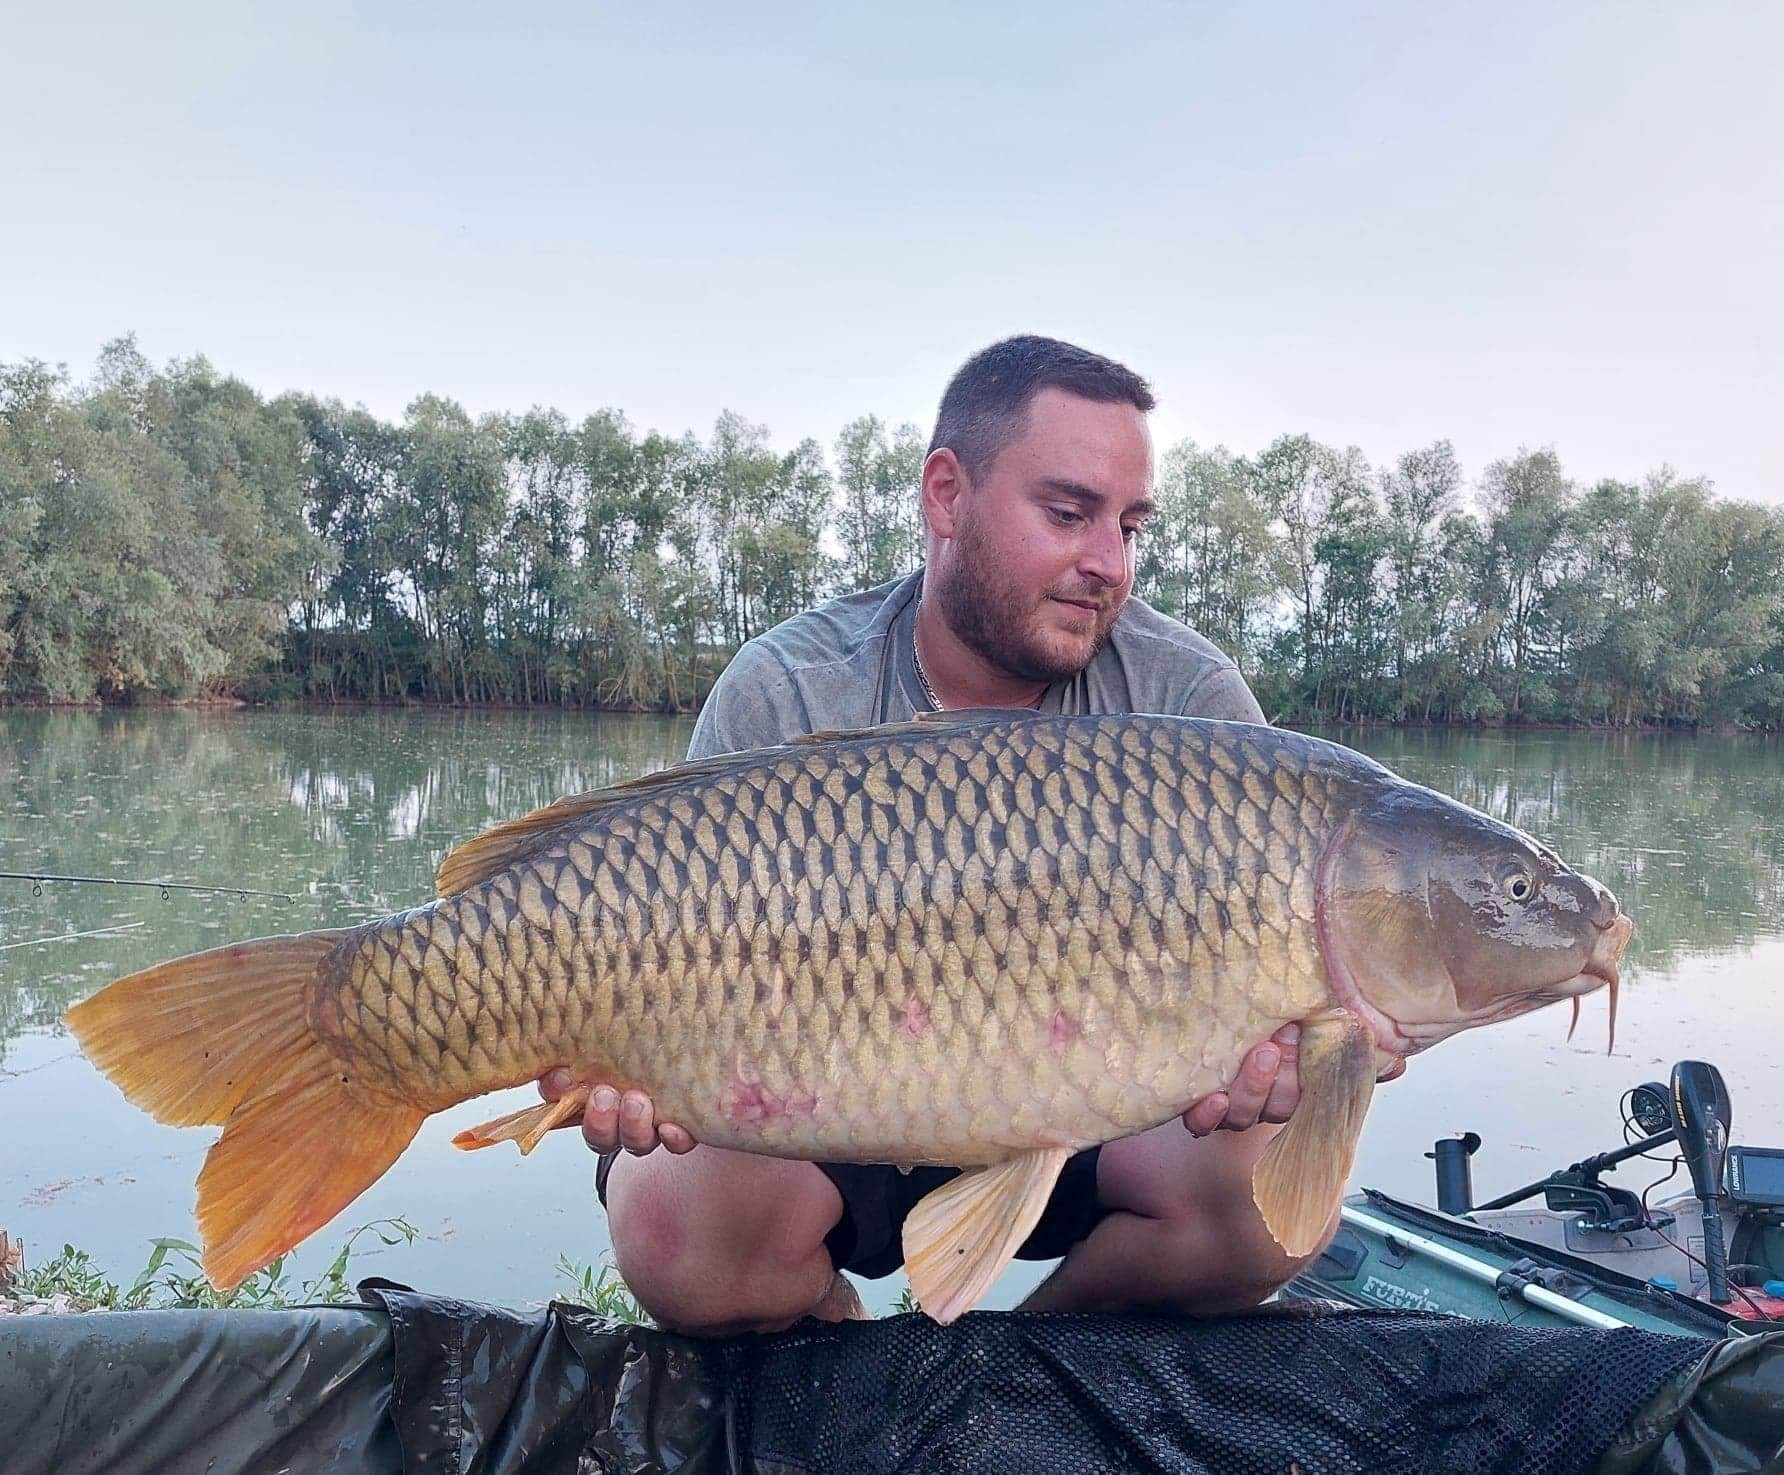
[
  {"x": 69, "y": 936},
  {"x": 37, "y": 878}
]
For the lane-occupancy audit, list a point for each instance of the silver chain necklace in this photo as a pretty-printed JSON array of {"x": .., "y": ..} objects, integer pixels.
[{"x": 935, "y": 702}]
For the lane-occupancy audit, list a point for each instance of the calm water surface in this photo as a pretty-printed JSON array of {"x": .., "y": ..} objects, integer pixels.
[{"x": 350, "y": 813}]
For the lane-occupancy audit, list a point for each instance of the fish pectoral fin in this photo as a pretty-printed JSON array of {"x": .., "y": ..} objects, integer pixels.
[
  {"x": 527, "y": 1127},
  {"x": 1300, "y": 1179},
  {"x": 959, "y": 1238}
]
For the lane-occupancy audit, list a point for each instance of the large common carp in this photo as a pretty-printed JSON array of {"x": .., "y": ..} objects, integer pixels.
[{"x": 982, "y": 939}]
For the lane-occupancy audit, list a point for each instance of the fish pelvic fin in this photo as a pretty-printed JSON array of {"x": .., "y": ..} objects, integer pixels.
[
  {"x": 1300, "y": 1178},
  {"x": 224, "y": 1037},
  {"x": 958, "y": 1238},
  {"x": 529, "y": 1126}
]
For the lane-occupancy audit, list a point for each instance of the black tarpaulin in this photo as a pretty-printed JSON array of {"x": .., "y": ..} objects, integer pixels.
[
  {"x": 426, "y": 1385},
  {"x": 213, "y": 1391}
]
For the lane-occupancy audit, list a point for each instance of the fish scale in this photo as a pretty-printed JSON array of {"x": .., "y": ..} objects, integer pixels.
[{"x": 980, "y": 891}]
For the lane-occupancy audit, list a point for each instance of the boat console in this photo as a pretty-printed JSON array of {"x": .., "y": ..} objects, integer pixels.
[{"x": 1705, "y": 1260}]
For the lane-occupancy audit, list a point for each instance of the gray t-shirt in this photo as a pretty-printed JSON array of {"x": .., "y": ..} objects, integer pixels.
[{"x": 848, "y": 664}]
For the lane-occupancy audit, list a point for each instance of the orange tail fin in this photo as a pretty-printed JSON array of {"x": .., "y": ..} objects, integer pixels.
[{"x": 224, "y": 1037}]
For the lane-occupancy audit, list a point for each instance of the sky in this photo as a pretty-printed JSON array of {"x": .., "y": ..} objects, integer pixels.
[{"x": 1510, "y": 225}]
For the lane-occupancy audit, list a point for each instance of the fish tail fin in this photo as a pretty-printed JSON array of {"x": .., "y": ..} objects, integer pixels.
[
  {"x": 291, "y": 1158},
  {"x": 224, "y": 1037}
]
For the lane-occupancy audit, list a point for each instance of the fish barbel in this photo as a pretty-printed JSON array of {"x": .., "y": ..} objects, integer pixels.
[{"x": 977, "y": 939}]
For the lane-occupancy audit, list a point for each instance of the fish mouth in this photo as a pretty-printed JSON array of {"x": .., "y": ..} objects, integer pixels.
[{"x": 1604, "y": 968}]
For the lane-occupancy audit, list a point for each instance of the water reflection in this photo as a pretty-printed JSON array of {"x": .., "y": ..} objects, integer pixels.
[{"x": 349, "y": 813}]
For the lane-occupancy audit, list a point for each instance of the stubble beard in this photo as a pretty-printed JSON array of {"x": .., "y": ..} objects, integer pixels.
[{"x": 996, "y": 620}]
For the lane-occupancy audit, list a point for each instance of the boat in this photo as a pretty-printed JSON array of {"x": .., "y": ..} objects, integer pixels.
[{"x": 1572, "y": 1249}]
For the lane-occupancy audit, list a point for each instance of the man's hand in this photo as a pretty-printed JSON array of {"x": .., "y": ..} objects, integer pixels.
[
  {"x": 613, "y": 1120},
  {"x": 1267, "y": 1088}
]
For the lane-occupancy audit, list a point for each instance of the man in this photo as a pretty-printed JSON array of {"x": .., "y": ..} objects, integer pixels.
[{"x": 1035, "y": 490}]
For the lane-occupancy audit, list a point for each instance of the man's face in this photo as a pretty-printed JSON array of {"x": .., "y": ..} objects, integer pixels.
[{"x": 1041, "y": 556}]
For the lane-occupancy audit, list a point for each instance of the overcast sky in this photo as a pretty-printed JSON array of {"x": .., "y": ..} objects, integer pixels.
[{"x": 1508, "y": 224}]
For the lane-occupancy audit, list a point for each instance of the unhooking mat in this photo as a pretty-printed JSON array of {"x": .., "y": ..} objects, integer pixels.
[{"x": 426, "y": 1385}]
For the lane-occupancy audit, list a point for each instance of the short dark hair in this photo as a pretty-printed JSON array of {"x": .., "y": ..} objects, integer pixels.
[{"x": 986, "y": 403}]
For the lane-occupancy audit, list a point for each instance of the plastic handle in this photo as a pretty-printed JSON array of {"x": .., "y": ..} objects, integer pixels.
[{"x": 1715, "y": 1253}]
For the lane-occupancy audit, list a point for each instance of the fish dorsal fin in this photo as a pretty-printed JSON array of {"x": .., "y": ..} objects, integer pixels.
[
  {"x": 500, "y": 846},
  {"x": 923, "y": 722}
]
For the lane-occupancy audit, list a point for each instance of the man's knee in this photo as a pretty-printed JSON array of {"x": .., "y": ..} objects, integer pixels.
[{"x": 718, "y": 1241}]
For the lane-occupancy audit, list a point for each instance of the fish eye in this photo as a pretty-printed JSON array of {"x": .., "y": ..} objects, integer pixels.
[{"x": 1518, "y": 884}]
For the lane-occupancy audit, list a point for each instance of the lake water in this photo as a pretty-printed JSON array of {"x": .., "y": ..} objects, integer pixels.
[{"x": 350, "y": 812}]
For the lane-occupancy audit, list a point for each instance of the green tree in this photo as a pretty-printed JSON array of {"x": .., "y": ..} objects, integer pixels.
[
  {"x": 879, "y": 515},
  {"x": 1422, "y": 490},
  {"x": 1207, "y": 556},
  {"x": 1528, "y": 502},
  {"x": 449, "y": 511},
  {"x": 169, "y": 533}
]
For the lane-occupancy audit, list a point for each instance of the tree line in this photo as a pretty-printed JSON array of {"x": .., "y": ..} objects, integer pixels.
[{"x": 172, "y": 534}]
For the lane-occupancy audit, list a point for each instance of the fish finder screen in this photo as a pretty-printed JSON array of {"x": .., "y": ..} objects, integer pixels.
[{"x": 1755, "y": 1175}]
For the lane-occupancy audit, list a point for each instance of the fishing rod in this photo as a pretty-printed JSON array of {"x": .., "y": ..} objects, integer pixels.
[{"x": 37, "y": 878}]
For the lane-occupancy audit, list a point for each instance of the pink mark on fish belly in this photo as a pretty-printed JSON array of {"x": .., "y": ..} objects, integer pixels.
[
  {"x": 1063, "y": 1031},
  {"x": 916, "y": 1018},
  {"x": 750, "y": 1103}
]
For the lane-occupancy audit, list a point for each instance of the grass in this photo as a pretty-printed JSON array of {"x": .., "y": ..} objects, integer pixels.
[
  {"x": 601, "y": 1291},
  {"x": 174, "y": 1280}
]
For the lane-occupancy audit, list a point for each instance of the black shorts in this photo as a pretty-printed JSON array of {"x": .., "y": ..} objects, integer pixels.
[{"x": 876, "y": 1198}]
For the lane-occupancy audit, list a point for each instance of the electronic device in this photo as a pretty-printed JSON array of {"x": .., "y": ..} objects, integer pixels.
[{"x": 1755, "y": 1176}]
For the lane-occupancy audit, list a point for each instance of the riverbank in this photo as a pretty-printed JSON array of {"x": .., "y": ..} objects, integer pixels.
[
  {"x": 73, "y": 1283},
  {"x": 416, "y": 704}
]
